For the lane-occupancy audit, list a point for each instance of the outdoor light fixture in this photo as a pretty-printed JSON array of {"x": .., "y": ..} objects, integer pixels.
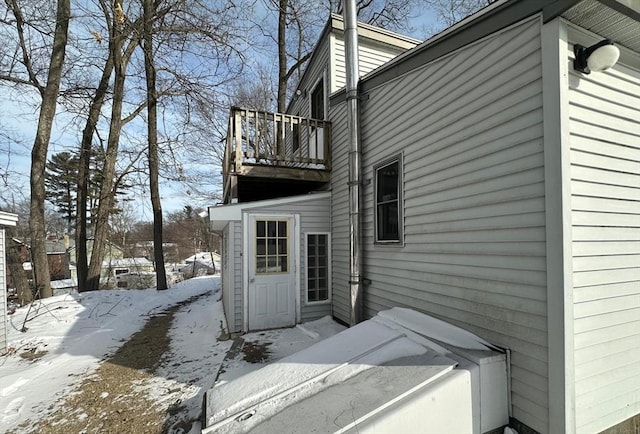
[{"x": 598, "y": 57}]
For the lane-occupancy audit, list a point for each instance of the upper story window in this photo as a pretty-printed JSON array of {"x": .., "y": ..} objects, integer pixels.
[
  {"x": 388, "y": 201},
  {"x": 317, "y": 101}
]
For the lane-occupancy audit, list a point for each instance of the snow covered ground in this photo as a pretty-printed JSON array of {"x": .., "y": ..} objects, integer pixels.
[{"x": 67, "y": 337}]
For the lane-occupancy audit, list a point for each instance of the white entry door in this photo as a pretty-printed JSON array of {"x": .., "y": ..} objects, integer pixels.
[{"x": 271, "y": 289}]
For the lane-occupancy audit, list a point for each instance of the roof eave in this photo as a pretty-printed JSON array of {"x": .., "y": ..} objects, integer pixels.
[{"x": 488, "y": 20}]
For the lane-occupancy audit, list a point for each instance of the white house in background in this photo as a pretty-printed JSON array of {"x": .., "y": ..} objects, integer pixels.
[
  {"x": 6, "y": 219},
  {"x": 501, "y": 193},
  {"x": 200, "y": 264},
  {"x": 114, "y": 267}
]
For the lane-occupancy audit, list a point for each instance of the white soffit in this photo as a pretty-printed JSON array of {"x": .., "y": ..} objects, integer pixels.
[{"x": 221, "y": 215}]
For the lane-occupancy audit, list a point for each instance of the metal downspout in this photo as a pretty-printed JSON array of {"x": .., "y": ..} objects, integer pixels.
[{"x": 352, "y": 69}]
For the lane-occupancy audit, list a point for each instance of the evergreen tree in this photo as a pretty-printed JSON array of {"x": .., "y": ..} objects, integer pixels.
[{"x": 61, "y": 183}]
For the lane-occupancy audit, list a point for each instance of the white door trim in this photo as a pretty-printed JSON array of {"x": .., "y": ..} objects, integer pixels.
[{"x": 246, "y": 252}]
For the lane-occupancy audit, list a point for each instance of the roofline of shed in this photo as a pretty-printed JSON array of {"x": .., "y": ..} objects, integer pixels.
[{"x": 8, "y": 219}]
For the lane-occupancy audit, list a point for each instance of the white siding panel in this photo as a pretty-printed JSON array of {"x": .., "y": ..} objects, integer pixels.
[
  {"x": 3, "y": 295},
  {"x": 370, "y": 56},
  {"x": 605, "y": 187},
  {"x": 236, "y": 228},
  {"x": 470, "y": 128},
  {"x": 601, "y": 292},
  {"x": 608, "y": 314}
]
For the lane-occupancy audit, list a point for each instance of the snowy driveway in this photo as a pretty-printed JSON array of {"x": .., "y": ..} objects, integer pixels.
[{"x": 70, "y": 336}]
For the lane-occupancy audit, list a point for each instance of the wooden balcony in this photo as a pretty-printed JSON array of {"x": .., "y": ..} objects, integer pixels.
[{"x": 271, "y": 155}]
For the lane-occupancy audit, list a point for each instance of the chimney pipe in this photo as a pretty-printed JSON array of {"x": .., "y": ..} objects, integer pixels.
[{"x": 352, "y": 73}]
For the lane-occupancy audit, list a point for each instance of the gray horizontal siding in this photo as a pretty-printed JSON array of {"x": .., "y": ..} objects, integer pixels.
[
  {"x": 605, "y": 187},
  {"x": 3, "y": 295},
  {"x": 340, "y": 214},
  {"x": 470, "y": 129}
]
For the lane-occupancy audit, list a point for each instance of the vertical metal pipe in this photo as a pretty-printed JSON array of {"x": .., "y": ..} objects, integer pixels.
[{"x": 352, "y": 69}]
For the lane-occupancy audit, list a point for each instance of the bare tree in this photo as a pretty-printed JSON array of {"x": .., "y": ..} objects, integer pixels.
[
  {"x": 82, "y": 197},
  {"x": 449, "y": 12},
  {"x": 298, "y": 29},
  {"x": 149, "y": 15},
  {"x": 122, "y": 45},
  {"x": 48, "y": 94}
]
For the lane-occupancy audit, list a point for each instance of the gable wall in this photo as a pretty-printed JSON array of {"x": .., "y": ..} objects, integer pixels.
[
  {"x": 315, "y": 70},
  {"x": 330, "y": 59},
  {"x": 604, "y": 113},
  {"x": 469, "y": 126},
  {"x": 3, "y": 295},
  {"x": 370, "y": 56}
]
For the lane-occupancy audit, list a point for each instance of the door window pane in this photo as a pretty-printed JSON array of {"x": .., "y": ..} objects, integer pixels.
[{"x": 272, "y": 240}]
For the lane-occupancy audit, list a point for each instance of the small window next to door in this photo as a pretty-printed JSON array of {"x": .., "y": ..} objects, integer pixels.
[
  {"x": 318, "y": 263},
  {"x": 272, "y": 246}
]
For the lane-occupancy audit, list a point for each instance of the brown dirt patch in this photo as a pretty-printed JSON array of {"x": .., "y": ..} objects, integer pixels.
[
  {"x": 109, "y": 401},
  {"x": 32, "y": 354},
  {"x": 256, "y": 352}
]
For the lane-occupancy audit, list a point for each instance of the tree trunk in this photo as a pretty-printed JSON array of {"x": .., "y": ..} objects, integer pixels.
[
  {"x": 282, "y": 55},
  {"x": 107, "y": 188},
  {"x": 152, "y": 140},
  {"x": 84, "y": 173},
  {"x": 40, "y": 148}
]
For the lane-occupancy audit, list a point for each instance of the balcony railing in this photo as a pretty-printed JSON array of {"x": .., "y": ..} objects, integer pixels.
[{"x": 263, "y": 139}]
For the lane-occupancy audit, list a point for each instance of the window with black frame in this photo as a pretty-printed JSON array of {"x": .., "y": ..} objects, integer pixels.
[
  {"x": 317, "y": 101},
  {"x": 388, "y": 201}
]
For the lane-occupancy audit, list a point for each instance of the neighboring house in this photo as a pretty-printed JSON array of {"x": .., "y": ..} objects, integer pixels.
[
  {"x": 200, "y": 264},
  {"x": 501, "y": 193},
  {"x": 6, "y": 219},
  {"x": 145, "y": 248},
  {"x": 111, "y": 251},
  {"x": 112, "y": 268},
  {"x": 57, "y": 256},
  {"x": 64, "y": 286}
]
